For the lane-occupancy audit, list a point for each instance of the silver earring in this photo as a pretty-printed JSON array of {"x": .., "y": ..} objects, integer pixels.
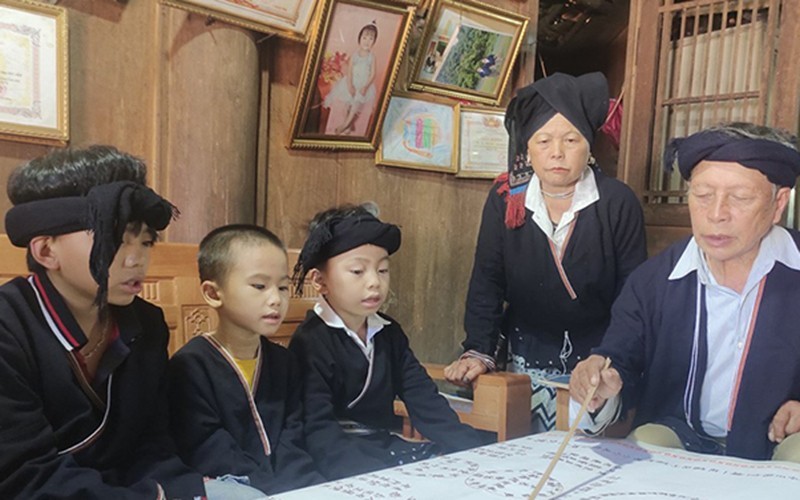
[{"x": 591, "y": 161}]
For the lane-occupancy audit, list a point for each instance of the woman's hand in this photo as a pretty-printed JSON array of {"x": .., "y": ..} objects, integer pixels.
[
  {"x": 464, "y": 371},
  {"x": 589, "y": 373}
]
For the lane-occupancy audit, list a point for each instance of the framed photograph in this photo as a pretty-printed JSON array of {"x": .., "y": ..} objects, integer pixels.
[
  {"x": 286, "y": 18},
  {"x": 482, "y": 142},
  {"x": 34, "y": 72},
  {"x": 350, "y": 68},
  {"x": 468, "y": 50},
  {"x": 419, "y": 133}
]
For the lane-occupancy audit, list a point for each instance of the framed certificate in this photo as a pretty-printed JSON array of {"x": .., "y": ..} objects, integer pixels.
[
  {"x": 483, "y": 142},
  {"x": 286, "y": 18},
  {"x": 34, "y": 72}
]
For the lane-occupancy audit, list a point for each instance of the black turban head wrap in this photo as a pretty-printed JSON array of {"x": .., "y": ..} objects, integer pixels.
[
  {"x": 106, "y": 211},
  {"x": 779, "y": 163},
  {"x": 340, "y": 234},
  {"x": 582, "y": 100}
]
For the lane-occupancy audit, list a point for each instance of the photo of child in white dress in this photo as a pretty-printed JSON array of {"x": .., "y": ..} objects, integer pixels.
[
  {"x": 353, "y": 96},
  {"x": 349, "y": 74}
]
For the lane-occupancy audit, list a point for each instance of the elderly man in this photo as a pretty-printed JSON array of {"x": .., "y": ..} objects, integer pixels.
[{"x": 704, "y": 339}]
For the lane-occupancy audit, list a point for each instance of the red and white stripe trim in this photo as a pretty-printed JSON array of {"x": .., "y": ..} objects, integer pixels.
[
  {"x": 743, "y": 360},
  {"x": 557, "y": 258},
  {"x": 262, "y": 432}
]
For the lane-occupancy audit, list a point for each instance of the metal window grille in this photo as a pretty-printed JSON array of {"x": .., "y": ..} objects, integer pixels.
[{"x": 715, "y": 61}]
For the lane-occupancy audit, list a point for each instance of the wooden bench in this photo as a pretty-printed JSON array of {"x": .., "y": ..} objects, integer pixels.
[
  {"x": 172, "y": 283},
  {"x": 501, "y": 404}
]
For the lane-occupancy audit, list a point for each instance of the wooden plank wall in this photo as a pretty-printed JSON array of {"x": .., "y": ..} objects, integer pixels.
[
  {"x": 439, "y": 214},
  {"x": 170, "y": 88}
]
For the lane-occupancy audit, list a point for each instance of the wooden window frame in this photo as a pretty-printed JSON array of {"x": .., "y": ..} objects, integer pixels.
[{"x": 643, "y": 64}]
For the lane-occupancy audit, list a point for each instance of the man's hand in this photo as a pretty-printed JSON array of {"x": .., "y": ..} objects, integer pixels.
[
  {"x": 589, "y": 373},
  {"x": 464, "y": 371},
  {"x": 785, "y": 422}
]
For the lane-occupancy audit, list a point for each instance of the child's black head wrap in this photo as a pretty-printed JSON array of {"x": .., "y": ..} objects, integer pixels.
[
  {"x": 105, "y": 211},
  {"x": 339, "y": 234}
]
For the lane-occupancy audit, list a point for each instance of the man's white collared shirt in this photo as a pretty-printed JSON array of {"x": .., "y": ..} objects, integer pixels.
[
  {"x": 727, "y": 328},
  {"x": 729, "y": 318}
]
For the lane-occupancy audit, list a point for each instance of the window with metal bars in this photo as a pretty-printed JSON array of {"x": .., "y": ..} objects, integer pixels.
[
  {"x": 695, "y": 63},
  {"x": 715, "y": 61}
]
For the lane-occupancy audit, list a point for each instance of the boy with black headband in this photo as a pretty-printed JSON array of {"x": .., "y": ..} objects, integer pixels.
[
  {"x": 82, "y": 359},
  {"x": 236, "y": 397},
  {"x": 356, "y": 360}
]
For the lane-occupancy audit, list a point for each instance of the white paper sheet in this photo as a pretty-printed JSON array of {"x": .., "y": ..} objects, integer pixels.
[{"x": 590, "y": 468}]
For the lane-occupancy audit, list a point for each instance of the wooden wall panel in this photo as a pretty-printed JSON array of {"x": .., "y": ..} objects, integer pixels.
[
  {"x": 438, "y": 213},
  {"x": 299, "y": 183},
  {"x": 111, "y": 74},
  {"x": 11, "y": 155},
  {"x": 660, "y": 237},
  {"x": 210, "y": 123},
  {"x": 170, "y": 88},
  {"x": 110, "y": 82}
]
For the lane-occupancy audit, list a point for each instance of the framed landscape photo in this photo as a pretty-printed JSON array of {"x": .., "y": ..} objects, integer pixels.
[
  {"x": 482, "y": 143},
  {"x": 468, "y": 50},
  {"x": 419, "y": 133},
  {"x": 350, "y": 68},
  {"x": 34, "y": 72},
  {"x": 287, "y": 18}
]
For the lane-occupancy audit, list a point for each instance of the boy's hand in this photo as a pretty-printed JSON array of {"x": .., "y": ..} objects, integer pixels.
[
  {"x": 464, "y": 371},
  {"x": 785, "y": 422},
  {"x": 589, "y": 373}
]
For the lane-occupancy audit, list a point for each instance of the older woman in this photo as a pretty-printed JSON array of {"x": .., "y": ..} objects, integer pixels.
[{"x": 556, "y": 242}]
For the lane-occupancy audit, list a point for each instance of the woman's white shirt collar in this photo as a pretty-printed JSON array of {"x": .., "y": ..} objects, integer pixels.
[{"x": 586, "y": 193}]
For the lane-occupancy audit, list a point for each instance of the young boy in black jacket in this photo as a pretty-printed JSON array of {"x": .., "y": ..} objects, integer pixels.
[
  {"x": 357, "y": 360},
  {"x": 236, "y": 396}
]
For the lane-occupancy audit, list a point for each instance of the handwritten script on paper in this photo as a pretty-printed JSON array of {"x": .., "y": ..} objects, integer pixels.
[{"x": 590, "y": 469}]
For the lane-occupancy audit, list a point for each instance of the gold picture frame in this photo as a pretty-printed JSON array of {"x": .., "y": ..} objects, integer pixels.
[
  {"x": 345, "y": 85},
  {"x": 285, "y": 18},
  {"x": 467, "y": 50},
  {"x": 419, "y": 132},
  {"x": 34, "y": 73},
  {"x": 482, "y": 142}
]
